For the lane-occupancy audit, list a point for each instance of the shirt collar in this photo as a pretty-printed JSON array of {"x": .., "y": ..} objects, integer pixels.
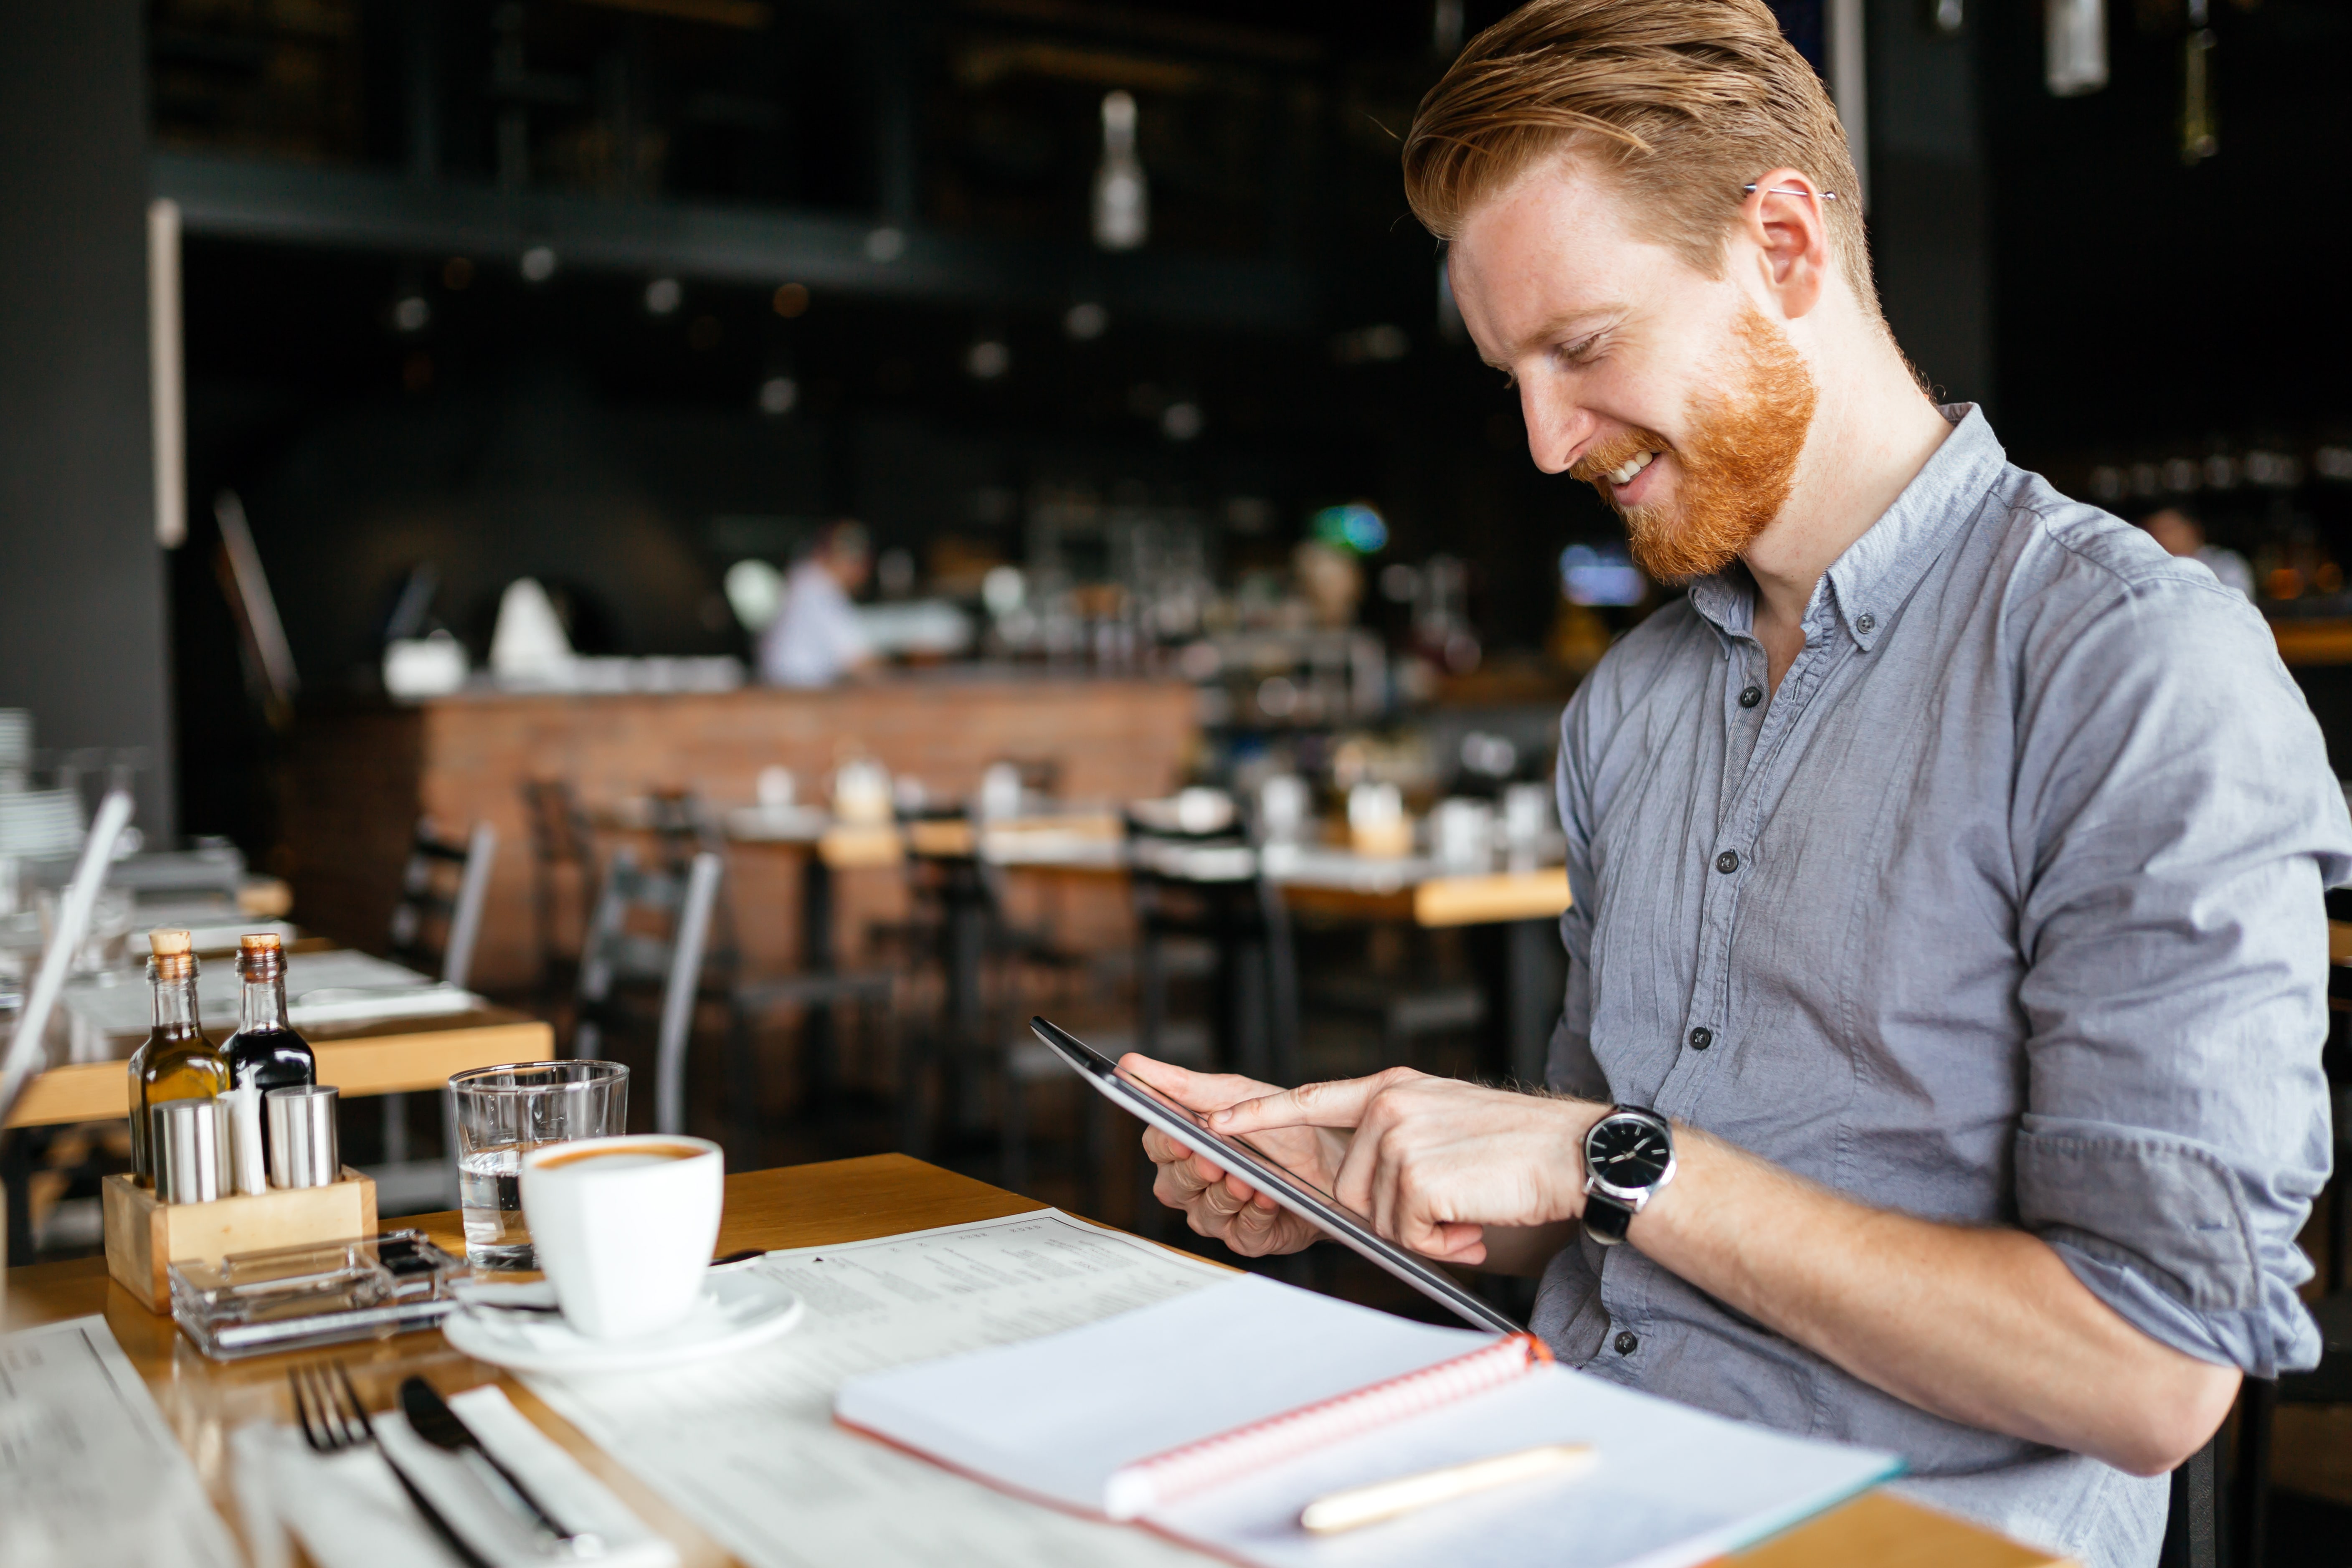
[{"x": 1865, "y": 585}]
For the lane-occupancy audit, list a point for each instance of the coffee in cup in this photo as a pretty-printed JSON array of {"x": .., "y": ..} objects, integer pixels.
[{"x": 625, "y": 1227}]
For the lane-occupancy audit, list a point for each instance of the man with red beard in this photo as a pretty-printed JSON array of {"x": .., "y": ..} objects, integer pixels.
[{"x": 1939, "y": 1061}]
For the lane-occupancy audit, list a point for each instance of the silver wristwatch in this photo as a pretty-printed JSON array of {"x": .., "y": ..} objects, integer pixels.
[{"x": 1628, "y": 1155}]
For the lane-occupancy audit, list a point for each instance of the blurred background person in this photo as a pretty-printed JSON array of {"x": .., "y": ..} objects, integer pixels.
[
  {"x": 815, "y": 639},
  {"x": 2181, "y": 533}
]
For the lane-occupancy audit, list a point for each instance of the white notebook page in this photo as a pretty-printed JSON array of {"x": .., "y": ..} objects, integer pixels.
[
  {"x": 1671, "y": 1486},
  {"x": 1055, "y": 1417}
]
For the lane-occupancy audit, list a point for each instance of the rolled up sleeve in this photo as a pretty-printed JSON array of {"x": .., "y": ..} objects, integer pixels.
[
  {"x": 2176, "y": 823},
  {"x": 1569, "y": 1066}
]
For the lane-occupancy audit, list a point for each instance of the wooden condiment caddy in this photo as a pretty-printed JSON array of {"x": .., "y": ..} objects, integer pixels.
[{"x": 144, "y": 1235}]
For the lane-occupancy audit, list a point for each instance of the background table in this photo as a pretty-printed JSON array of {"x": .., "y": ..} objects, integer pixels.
[
  {"x": 387, "y": 1056},
  {"x": 803, "y": 1206}
]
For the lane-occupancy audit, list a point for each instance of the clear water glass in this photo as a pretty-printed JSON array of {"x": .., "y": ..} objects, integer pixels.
[{"x": 503, "y": 1113}]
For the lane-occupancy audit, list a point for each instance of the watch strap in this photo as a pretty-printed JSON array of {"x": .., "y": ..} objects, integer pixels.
[{"x": 1605, "y": 1219}]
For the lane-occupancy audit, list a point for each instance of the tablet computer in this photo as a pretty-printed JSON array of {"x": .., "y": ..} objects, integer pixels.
[{"x": 1296, "y": 1193}]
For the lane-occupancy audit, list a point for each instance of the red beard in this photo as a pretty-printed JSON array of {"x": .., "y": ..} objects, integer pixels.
[{"x": 1737, "y": 464}]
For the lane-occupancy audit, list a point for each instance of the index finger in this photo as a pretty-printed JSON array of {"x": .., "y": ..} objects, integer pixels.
[
  {"x": 1340, "y": 1103},
  {"x": 1195, "y": 1091}
]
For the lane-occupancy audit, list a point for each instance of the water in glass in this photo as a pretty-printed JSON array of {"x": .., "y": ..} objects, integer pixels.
[{"x": 504, "y": 1112}]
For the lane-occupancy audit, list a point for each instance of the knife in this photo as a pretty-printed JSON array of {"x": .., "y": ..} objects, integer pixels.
[{"x": 430, "y": 1418}]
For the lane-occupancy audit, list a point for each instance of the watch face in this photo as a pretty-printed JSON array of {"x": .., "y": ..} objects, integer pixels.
[{"x": 1627, "y": 1151}]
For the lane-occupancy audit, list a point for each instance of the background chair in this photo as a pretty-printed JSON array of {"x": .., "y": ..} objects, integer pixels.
[
  {"x": 438, "y": 920},
  {"x": 563, "y": 846},
  {"x": 1210, "y": 887},
  {"x": 994, "y": 970},
  {"x": 657, "y": 928},
  {"x": 435, "y": 928},
  {"x": 618, "y": 953},
  {"x": 2193, "y": 1529},
  {"x": 2329, "y": 1383}
]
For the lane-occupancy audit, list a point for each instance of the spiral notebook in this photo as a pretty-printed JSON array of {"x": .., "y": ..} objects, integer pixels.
[{"x": 1215, "y": 1416}]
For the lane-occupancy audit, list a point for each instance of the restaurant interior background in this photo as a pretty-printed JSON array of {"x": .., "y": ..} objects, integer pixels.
[{"x": 621, "y": 295}]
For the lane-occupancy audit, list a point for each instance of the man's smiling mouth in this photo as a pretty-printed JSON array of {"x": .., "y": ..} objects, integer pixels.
[{"x": 1625, "y": 472}]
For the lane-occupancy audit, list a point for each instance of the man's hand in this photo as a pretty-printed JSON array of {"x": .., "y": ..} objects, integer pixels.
[
  {"x": 1215, "y": 1203},
  {"x": 1435, "y": 1160}
]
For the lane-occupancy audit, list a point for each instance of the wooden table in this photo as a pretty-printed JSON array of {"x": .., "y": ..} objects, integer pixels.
[
  {"x": 1322, "y": 880},
  {"x": 1525, "y": 900},
  {"x": 803, "y": 1206},
  {"x": 390, "y": 1056}
]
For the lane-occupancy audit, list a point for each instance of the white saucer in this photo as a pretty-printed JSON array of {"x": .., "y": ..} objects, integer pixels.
[{"x": 739, "y": 1307}]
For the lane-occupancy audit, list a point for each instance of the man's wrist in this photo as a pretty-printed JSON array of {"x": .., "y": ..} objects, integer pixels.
[{"x": 1578, "y": 1118}]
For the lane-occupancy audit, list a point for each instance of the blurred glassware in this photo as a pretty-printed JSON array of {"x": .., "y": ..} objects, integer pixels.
[
  {"x": 103, "y": 944},
  {"x": 2074, "y": 43},
  {"x": 861, "y": 791},
  {"x": 1488, "y": 755},
  {"x": 1000, "y": 792},
  {"x": 1377, "y": 823},
  {"x": 773, "y": 788},
  {"x": 1462, "y": 832},
  {"x": 415, "y": 667},
  {"x": 1198, "y": 810},
  {"x": 1282, "y": 806},
  {"x": 503, "y": 1112},
  {"x": 1527, "y": 812}
]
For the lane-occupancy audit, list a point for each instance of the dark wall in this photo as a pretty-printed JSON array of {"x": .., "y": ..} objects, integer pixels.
[
  {"x": 2146, "y": 302},
  {"x": 82, "y": 630},
  {"x": 1929, "y": 222}
]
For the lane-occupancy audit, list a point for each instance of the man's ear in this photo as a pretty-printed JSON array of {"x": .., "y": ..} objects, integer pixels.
[{"x": 1786, "y": 218}]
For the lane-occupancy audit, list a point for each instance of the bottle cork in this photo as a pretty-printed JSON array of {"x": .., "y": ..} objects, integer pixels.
[
  {"x": 257, "y": 942},
  {"x": 170, "y": 943}
]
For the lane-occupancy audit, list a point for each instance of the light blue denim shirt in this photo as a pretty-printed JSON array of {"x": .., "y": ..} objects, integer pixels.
[{"x": 2004, "y": 909}]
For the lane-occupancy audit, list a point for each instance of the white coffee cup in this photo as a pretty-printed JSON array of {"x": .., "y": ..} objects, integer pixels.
[{"x": 624, "y": 1228}]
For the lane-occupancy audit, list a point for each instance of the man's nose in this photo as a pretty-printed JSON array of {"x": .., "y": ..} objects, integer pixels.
[{"x": 1556, "y": 426}]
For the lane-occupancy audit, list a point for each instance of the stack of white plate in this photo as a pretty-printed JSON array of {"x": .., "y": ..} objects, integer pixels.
[
  {"x": 15, "y": 747},
  {"x": 40, "y": 823}
]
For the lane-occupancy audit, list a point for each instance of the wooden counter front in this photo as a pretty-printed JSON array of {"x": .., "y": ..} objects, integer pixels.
[{"x": 362, "y": 775}]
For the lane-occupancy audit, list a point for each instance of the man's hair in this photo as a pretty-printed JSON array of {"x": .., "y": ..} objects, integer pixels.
[{"x": 1678, "y": 102}]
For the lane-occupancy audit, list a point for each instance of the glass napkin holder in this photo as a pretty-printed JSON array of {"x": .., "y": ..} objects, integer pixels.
[{"x": 289, "y": 1298}]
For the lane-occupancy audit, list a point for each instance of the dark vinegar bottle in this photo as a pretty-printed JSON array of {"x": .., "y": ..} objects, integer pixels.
[{"x": 264, "y": 1050}]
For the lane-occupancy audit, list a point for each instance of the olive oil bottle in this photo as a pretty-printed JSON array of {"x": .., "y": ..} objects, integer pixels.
[
  {"x": 177, "y": 1062},
  {"x": 264, "y": 1050}
]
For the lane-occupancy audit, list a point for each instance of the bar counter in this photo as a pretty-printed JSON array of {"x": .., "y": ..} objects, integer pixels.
[{"x": 360, "y": 775}]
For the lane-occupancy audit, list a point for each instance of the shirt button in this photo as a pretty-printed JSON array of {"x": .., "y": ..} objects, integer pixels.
[
  {"x": 1866, "y": 624},
  {"x": 1751, "y": 697},
  {"x": 1627, "y": 1344},
  {"x": 1701, "y": 1037},
  {"x": 1728, "y": 862}
]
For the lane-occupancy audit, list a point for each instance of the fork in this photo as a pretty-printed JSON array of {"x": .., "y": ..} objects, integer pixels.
[{"x": 334, "y": 1421}]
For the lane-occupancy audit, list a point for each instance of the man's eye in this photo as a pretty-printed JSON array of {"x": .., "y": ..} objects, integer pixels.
[{"x": 1581, "y": 351}]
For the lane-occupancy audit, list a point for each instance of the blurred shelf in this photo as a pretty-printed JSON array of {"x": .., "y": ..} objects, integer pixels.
[
  {"x": 251, "y": 198},
  {"x": 2313, "y": 642}
]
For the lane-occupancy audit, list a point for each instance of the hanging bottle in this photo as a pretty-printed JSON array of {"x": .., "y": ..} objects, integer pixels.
[
  {"x": 2198, "y": 138},
  {"x": 1122, "y": 201}
]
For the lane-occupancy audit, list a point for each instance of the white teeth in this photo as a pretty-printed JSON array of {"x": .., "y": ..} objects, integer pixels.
[{"x": 1632, "y": 466}]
